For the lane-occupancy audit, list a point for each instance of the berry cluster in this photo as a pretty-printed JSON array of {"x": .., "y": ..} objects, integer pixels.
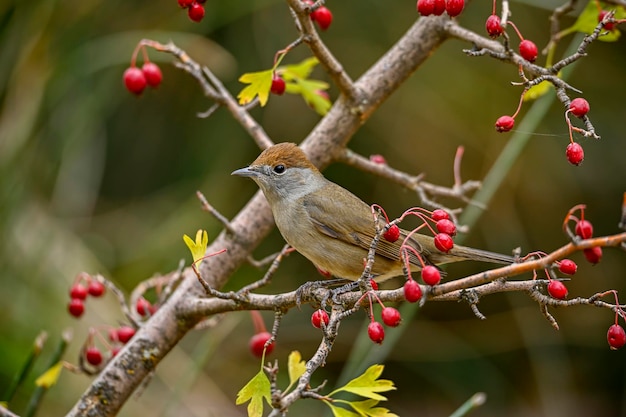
[
  {"x": 443, "y": 232},
  {"x": 437, "y": 7},
  {"x": 527, "y": 49},
  {"x": 136, "y": 79},
  {"x": 390, "y": 316},
  {"x": 84, "y": 285},
  {"x": 117, "y": 338},
  {"x": 579, "y": 107},
  {"x": 195, "y": 9},
  {"x": 583, "y": 229},
  {"x": 258, "y": 343}
]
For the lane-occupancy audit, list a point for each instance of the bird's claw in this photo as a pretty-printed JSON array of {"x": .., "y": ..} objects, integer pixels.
[{"x": 308, "y": 287}]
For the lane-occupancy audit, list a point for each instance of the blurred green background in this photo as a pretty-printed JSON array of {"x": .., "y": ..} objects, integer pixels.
[{"x": 95, "y": 179}]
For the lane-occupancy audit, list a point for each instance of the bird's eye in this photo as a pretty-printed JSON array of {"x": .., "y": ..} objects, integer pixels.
[{"x": 279, "y": 169}]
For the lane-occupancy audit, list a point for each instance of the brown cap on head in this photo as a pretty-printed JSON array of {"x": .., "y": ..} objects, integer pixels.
[{"x": 287, "y": 154}]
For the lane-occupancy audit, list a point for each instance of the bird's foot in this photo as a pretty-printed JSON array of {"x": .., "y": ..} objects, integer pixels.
[
  {"x": 349, "y": 287},
  {"x": 307, "y": 288}
]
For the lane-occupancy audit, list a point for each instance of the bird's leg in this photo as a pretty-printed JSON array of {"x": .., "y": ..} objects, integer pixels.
[{"x": 349, "y": 287}]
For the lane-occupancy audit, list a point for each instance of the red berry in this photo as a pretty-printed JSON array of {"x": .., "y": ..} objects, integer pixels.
[
  {"x": 115, "y": 350},
  {"x": 440, "y": 7},
  {"x": 317, "y": 317},
  {"x": 125, "y": 333},
  {"x": 113, "y": 335},
  {"x": 324, "y": 273},
  {"x": 557, "y": 289},
  {"x": 446, "y": 226},
  {"x": 431, "y": 275},
  {"x": 616, "y": 336},
  {"x": 76, "y": 307},
  {"x": 378, "y": 159},
  {"x": 505, "y": 123},
  {"x": 607, "y": 26},
  {"x": 493, "y": 26},
  {"x": 376, "y": 332},
  {"x": 528, "y": 50},
  {"x": 443, "y": 242},
  {"x": 584, "y": 229},
  {"x": 96, "y": 288},
  {"x": 196, "y": 12},
  {"x": 391, "y": 316},
  {"x": 93, "y": 355},
  {"x": 143, "y": 307},
  {"x": 78, "y": 291},
  {"x": 323, "y": 17},
  {"x": 579, "y": 107},
  {"x": 425, "y": 7},
  {"x": 374, "y": 285},
  {"x": 593, "y": 255},
  {"x": 257, "y": 344},
  {"x": 278, "y": 85},
  {"x": 153, "y": 74},
  {"x": 135, "y": 80},
  {"x": 152, "y": 309},
  {"x": 574, "y": 153},
  {"x": 412, "y": 291},
  {"x": 392, "y": 234},
  {"x": 440, "y": 214},
  {"x": 185, "y": 3},
  {"x": 567, "y": 266},
  {"x": 454, "y": 7}
]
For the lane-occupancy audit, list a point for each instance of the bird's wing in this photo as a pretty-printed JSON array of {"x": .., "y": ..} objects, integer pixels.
[{"x": 342, "y": 215}]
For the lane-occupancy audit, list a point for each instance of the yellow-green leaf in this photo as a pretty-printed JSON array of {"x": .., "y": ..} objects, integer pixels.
[
  {"x": 255, "y": 391},
  {"x": 310, "y": 91},
  {"x": 340, "y": 411},
  {"x": 300, "y": 70},
  {"x": 197, "y": 247},
  {"x": 588, "y": 20},
  {"x": 50, "y": 377},
  {"x": 260, "y": 84},
  {"x": 368, "y": 385},
  {"x": 368, "y": 408},
  {"x": 295, "y": 366}
]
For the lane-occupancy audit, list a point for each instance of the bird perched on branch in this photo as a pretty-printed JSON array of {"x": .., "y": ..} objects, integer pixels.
[{"x": 332, "y": 227}]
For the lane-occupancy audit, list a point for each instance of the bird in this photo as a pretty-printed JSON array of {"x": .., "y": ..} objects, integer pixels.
[{"x": 332, "y": 227}]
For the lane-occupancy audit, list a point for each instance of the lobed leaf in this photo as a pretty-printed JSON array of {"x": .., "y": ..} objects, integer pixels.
[
  {"x": 368, "y": 385},
  {"x": 255, "y": 391}
]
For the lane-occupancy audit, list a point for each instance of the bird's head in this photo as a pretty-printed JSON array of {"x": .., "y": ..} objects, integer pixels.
[{"x": 283, "y": 171}]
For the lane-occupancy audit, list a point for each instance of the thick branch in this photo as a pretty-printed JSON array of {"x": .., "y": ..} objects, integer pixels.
[{"x": 161, "y": 333}]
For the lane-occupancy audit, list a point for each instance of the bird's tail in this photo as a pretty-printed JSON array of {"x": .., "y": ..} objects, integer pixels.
[{"x": 465, "y": 253}]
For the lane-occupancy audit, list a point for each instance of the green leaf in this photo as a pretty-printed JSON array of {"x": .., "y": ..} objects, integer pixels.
[
  {"x": 295, "y": 366},
  {"x": 588, "y": 20},
  {"x": 368, "y": 408},
  {"x": 310, "y": 92},
  {"x": 50, "y": 377},
  {"x": 368, "y": 385},
  {"x": 254, "y": 391},
  {"x": 197, "y": 248},
  {"x": 260, "y": 84},
  {"x": 300, "y": 70},
  {"x": 340, "y": 411}
]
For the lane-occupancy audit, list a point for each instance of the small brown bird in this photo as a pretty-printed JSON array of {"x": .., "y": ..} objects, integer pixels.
[{"x": 332, "y": 227}]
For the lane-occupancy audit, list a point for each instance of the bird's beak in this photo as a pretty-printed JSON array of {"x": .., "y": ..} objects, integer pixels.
[{"x": 245, "y": 172}]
